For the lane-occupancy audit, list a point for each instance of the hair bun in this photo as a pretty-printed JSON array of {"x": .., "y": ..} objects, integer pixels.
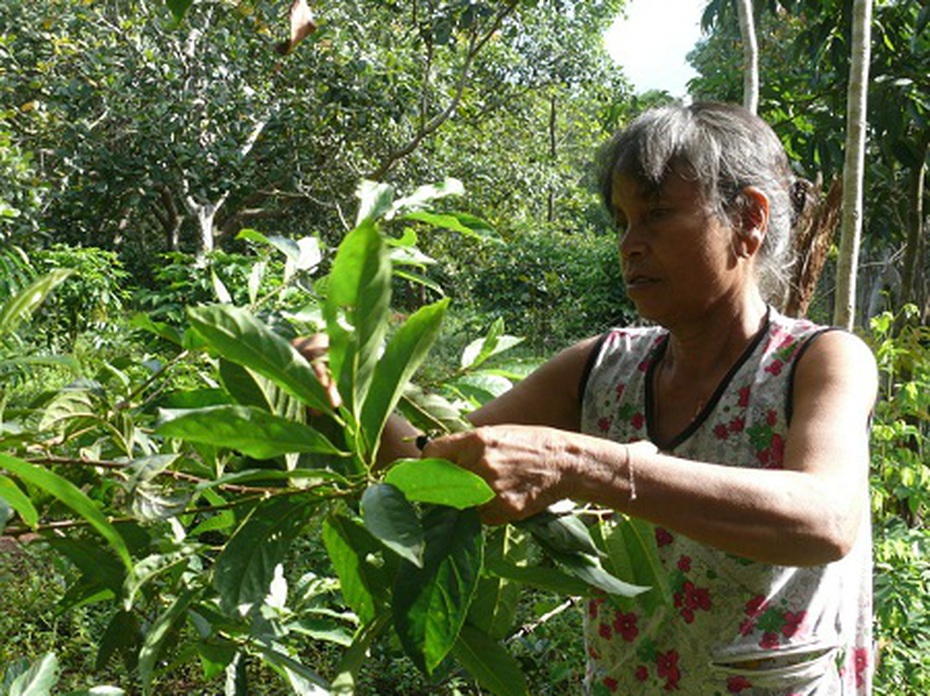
[{"x": 801, "y": 190}]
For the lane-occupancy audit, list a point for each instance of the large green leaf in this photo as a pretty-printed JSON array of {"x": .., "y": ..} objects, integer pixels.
[
  {"x": 393, "y": 521},
  {"x": 36, "y": 679},
  {"x": 19, "y": 501},
  {"x": 356, "y": 311},
  {"x": 18, "y": 307},
  {"x": 494, "y": 608},
  {"x": 430, "y": 603},
  {"x": 403, "y": 355},
  {"x": 439, "y": 481},
  {"x": 248, "y": 429},
  {"x": 245, "y": 568},
  {"x": 351, "y": 547},
  {"x": 488, "y": 662},
  {"x": 238, "y": 336},
  {"x": 71, "y": 496}
]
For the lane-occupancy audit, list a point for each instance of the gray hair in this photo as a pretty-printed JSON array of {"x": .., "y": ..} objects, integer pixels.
[{"x": 724, "y": 149}]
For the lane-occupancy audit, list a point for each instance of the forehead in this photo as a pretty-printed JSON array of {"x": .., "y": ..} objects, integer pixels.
[{"x": 627, "y": 190}]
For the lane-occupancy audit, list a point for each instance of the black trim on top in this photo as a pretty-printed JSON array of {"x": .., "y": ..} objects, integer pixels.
[
  {"x": 789, "y": 396},
  {"x": 715, "y": 396}
]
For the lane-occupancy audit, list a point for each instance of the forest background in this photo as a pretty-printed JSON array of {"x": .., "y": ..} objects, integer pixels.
[{"x": 179, "y": 180}]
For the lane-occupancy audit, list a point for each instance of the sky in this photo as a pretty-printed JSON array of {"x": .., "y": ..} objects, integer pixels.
[{"x": 651, "y": 41}]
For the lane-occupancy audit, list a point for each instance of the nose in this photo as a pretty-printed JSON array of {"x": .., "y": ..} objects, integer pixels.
[{"x": 631, "y": 242}]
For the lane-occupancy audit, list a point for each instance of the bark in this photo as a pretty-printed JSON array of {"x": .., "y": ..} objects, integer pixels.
[
  {"x": 813, "y": 236},
  {"x": 747, "y": 32},
  {"x": 854, "y": 166},
  {"x": 910, "y": 283}
]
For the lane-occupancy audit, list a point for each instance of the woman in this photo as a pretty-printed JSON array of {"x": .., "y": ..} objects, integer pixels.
[{"x": 742, "y": 435}]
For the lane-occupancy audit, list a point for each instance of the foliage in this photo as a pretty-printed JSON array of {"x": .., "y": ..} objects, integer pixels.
[
  {"x": 901, "y": 472},
  {"x": 182, "y": 536}
]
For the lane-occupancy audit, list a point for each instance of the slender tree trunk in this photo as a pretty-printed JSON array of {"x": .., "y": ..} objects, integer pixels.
[
  {"x": 550, "y": 203},
  {"x": 915, "y": 230},
  {"x": 747, "y": 30},
  {"x": 854, "y": 165}
]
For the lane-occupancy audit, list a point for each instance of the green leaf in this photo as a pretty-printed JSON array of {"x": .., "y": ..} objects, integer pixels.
[
  {"x": 393, "y": 521},
  {"x": 239, "y": 337},
  {"x": 544, "y": 578},
  {"x": 479, "y": 351},
  {"x": 38, "y": 679},
  {"x": 430, "y": 604},
  {"x": 215, "y": 656},
  {"x": 356, "y": 311},
  {"x": 631, "y": 551},
  {"x": 245, "y": 568},
  {"x": 18, "y": 307},
  {"x": 428, "y": 193},
  {"x": 122, "y": 635},
  {"x": 247, "y": 429},
  {"x": 375, "y": 200},
  {"x": 242, "y": 385},
  {"x": 156, "y": 638},
  {"x": 97, "y": 691},
  {"x": 71, "y": 496},
  {"x": 403, "y": 355},
  {"x": 589, "y": 569},
  {"x": 469, "y": 225},
  {"x": 439, "y": 481},
  {"x": 18, "y": 501},
  {"x": 349, "y": 546},
  {"x": 431, "y": 412},
  {"x": 178, "y": 8},
  {"x": 560, "y": 533},
  {"x": 302, "y": 680},
  {"x": 494, "y": 608},
  {"x": 488, "y": 662}
]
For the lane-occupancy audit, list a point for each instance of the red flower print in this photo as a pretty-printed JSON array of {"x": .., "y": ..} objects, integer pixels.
[
  {"x": 736, "y": 425},
  {"x": 641, "y": 673},
  {"x": 736, "y": 685},
  {"x": 593, "y": 654},
  {"x": 603, "y": 630},
  {"x": 747, "y": 627},
  {"x": 775, "y": 368},
  {"x": 625, "y": 625},
  {"x": 619, "y": 389},
  {"x": 690, "y": 599},
  {"x": 778, "y": 449},
  {"x": 684, "y": 564},
  {"x": 593, "y": 606},
  {"x": 667, "y": 668},
  {"x": 638, "y": 420},
  {"x": 604, "y": 424},
  {"x": 861, "y": 658},
  {"x": 771, "y": 416},
  {"x": 663, "y": 538},
  {"x": 769, "y": 640},
  {"x": 610, "y": 683},
  {"x": 744, "y": 397},
  {"x": 721, "y": 432},
  {"x": 756, "y": 605},
  {"x": 793, "y": 623}
]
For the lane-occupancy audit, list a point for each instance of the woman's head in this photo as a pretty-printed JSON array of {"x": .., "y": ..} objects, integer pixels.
[{"x": 724, "y": 150}]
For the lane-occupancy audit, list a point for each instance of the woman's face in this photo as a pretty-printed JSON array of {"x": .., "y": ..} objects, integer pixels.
[{"x": 677, "y": 255}]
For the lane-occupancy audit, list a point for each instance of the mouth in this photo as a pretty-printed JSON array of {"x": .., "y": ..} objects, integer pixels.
[{"x": 638, "y": 281}]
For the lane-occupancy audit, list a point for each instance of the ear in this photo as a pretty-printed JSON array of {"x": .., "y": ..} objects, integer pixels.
[{"x": 752, "y": 222}]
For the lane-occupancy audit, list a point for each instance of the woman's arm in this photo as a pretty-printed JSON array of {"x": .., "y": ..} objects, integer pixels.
[{"x": 806, "y": 514}]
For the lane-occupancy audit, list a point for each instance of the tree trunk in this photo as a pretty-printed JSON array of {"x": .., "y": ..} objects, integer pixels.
[
  {"x": 747, "y": 32},
  {"x": 915, "y": 230},
  {"x": 854, "y": 166}
]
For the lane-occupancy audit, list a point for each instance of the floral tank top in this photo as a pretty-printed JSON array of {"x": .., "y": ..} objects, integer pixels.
[{"x": 733, "y": 626}]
